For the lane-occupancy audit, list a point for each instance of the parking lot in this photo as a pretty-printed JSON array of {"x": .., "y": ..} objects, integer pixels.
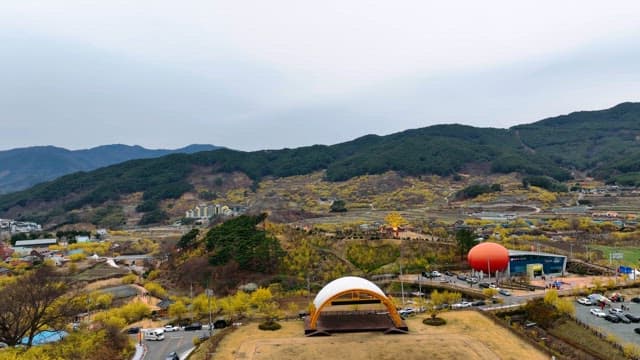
[{"x": 621, "y": 330}]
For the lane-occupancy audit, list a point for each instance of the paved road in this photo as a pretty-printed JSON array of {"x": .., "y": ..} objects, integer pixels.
[
  {"x": 620, "y": 330},
  {"x": 178, "y": 341}
]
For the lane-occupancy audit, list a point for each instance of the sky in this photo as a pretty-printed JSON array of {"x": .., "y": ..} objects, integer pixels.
[{"x": 253, "y": 75}]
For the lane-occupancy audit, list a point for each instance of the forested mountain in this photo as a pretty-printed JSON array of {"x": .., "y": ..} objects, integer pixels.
[
  {"x": 25, "y": 167},
  {"x": 603, "y": 143}
]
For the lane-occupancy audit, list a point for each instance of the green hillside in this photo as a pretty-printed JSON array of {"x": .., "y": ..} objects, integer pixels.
[
  {"x": 25, "y": 167},
  {"x": 601, "y": 142}
]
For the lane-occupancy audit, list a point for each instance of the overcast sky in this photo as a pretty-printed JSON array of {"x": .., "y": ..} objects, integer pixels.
[{"x": 271, "y": 74}]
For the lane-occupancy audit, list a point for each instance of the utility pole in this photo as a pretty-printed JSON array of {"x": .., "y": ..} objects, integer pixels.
[
  {"x": 571, "y": 252},
  {"x": 401, "y": 281}
]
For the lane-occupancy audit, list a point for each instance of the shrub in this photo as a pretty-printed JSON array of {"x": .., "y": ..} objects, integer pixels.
[
  {"x": 156, "y": 290},
  {"x": 129, "y": 279},
  {"x": 153, "y": 274},
  {"x": 434, "y": 321},
  {"x": 77, "y": 257},
  {"x": 269, "y": 325}
]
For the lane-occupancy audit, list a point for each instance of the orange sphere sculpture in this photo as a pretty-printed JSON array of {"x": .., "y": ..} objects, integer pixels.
[{"x": 488, "y": 257}]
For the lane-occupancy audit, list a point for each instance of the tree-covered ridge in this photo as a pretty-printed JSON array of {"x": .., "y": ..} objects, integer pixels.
[
  {"x": 604, "y": 143},
  {"x": 587, "y": 140}
]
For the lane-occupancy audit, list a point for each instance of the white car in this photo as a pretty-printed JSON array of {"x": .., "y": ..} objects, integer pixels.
[
  {"x": 406, "y": 311},
  {"x": 598, "y": 312},
  {"x": 584, "y": 301},
  {"x": 170, "y": 328},
  {"x": 616, "y": 311},
  {"x": 461, "y": 305}
]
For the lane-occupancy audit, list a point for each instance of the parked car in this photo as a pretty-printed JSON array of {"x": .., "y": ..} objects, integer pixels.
[
  {"x": 637, "y": 330},
  {"x": 133, "y": 330},
  {"x": 436, "y": 274},
  {"x": 406, "y": 311},
  {"x": 461, "y": 277},
  {"x": 484, "y": 285},
  {"x": 172, "y": 356},
  {"x": 461, "y": 305},
  {"x": 623, "y": 318},
  {"x": 448, "y": 273},
  {"x": 633, "y": 318},
  {"x": 615, "y": 311},
  {"x": 598, "y": 312},
  {"x": 584, "y": 301},
  {"x": 193, "y": 327},
  {"x": 478, "y": 303},
  {"x": 636, "y": 300},
  {"x": 426, "y": 275},
  {"x": 170, "y": 328},
  {"x": 504, "y": 292},
  {"x": 616, "y": 297},
  {"x": 472, "y": 280},
  {"x": 612, "y": 318}
]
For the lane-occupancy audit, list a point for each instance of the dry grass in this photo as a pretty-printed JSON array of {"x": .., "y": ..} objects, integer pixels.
[{"x": 467, "y": 335}]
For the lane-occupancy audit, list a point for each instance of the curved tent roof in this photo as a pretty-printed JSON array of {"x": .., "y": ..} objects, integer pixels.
[{"x": 344, "y": 284}]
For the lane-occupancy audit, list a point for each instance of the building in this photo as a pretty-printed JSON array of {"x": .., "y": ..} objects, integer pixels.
[
  {"x": 82, "y": 239},
  {"x": 535, "y": 264},
  {"x": 5, "y": 251},
  {"x": 23, "y": 227},
  {"x": 37, "y": 243},
  {"x": 204, "y": 211}
]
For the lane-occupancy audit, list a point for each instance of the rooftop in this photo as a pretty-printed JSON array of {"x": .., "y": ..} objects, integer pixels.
[
  {"x": 520, "y": 252},
  {"x": 36, "y": 242}
]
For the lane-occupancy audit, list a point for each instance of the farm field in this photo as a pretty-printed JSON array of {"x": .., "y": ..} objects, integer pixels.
[
  {"x": 468, "y": 335},
  {"x": 631, "y": 255}
]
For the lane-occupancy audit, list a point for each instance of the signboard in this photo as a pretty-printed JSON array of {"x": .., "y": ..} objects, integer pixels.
[{"x": 617, "y": 256}]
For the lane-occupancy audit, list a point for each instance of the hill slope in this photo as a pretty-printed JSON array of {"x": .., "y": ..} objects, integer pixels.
[
  {"x": 25, "y": 167},
  {"x": 601, "y": 142}
]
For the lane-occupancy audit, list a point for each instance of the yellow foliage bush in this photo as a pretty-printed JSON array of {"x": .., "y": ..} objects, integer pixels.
[
  {"x": 129, "y": 279},
  {"x": 77, "y": 257},
  {"x": 156, "y": 290}
]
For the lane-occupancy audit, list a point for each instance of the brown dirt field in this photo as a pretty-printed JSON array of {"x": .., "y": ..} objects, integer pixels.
[
  {"x": 103, "y": 284},
  {"x": 467, "y": 335}
]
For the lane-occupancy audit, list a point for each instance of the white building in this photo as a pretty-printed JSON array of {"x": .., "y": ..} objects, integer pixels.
[{"x": 204, "y": 211}]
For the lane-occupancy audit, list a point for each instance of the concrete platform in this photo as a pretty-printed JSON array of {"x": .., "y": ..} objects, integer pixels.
[{"x": 353, "y": 321}]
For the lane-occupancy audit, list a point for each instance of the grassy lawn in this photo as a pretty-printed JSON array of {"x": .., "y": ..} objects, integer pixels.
[
  {"x": 631, "y": 254},
  {"x": 573, "y": 332},
  {"x": 467, "y": 335}
]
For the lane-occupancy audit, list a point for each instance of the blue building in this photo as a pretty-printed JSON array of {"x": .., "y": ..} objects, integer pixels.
[{"x": 535, "y": 264}]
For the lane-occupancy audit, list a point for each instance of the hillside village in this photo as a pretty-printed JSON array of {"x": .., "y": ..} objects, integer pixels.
[{"x": 412, "y": 255}]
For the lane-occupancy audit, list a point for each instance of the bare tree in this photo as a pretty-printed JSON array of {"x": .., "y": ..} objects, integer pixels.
[{"x": 38, "y": 299}]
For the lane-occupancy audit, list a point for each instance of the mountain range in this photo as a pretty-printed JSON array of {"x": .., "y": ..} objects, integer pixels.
[
  {"x": 604, "y": 144},
  {"x": 25, "y": 167}
]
